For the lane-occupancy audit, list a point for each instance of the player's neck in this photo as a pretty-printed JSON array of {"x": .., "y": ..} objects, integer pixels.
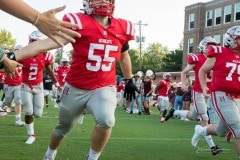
[{"x": 102, "y": 20}]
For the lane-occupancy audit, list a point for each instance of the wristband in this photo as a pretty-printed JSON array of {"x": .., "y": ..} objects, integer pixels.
[
  {"x": 11, "y": 56},
  {"x": 35, "y": 22}
]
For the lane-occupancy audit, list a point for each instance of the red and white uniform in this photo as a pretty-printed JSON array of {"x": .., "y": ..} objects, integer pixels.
[
  {"x": 61, "y": 74},
  {"x": 16, "y": 80},
  {"x": 32, "y": 95},
  {"x": 95, "y": 53},
  {"x": 225, "y": 84},
  {"x": 12, "y": 88},
  {"x": 197, "y": 94},
  {"x": 92, "y": 75},
  {"x": 198, "y": 60},
  {"x": 33, "y": 67}
]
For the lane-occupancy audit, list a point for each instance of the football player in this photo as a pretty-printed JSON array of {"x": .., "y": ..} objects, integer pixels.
[
  {"x": 32, "y": 94},
  {"x": 224, "y": 61},
  {"x": 195, "y": 62}
]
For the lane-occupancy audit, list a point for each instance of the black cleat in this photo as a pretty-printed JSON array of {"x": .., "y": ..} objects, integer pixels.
[
  {"x": 215, "y": 150},
  {"x": 170, "y": 114}
]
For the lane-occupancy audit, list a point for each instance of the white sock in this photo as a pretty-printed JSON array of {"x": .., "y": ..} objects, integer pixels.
[
  {"x": 93, "y": 155},
  {"x": 30, "y": 129},
  {"x": 51, "y": 151},
  {"x": 209, "y": 140}
]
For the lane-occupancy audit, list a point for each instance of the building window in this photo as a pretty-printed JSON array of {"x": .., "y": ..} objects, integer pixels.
[
  {"x": 209, "y": 18},
  {"x": 227, "y": 13},
  {"x": 217, "y": 38},
  {"x": 190, "y": 45},
  {"x": 191, "y": 21},
  {"x": 218, "y": 16},
  {"x": 237, "y": 11}
]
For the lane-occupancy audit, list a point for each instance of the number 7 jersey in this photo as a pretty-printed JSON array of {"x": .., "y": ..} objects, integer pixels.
[
  {"x": 95, "y": 53},
  {"x": 226, "y": 70}
]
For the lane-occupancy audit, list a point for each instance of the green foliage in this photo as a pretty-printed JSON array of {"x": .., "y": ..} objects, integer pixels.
[
  {"x": 6, "y": 40},
  {"x": 172, "y": 62}
]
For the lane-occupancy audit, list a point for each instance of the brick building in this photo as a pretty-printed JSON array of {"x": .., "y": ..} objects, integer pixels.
[{"x": 212, "y": 18}]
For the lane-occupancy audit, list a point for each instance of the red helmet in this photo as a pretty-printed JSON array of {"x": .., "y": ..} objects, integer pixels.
[{"x": 103, "y": 8}]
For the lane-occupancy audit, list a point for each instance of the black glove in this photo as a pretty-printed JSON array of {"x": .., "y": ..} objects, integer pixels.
[{"x": 130, "y": 89}]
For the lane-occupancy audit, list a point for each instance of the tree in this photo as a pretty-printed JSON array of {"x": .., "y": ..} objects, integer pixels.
[
  {"x": 6, "y": 40},
  {"x": 153, "y": 57},
  {"x": 173, "y": 61}
]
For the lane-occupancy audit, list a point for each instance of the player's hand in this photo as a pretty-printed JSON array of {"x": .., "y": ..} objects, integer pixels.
[
  {"x": 10, "y": 66},
  {"x": 52, "y": 27},
  {"x": 130, "y": 88}
]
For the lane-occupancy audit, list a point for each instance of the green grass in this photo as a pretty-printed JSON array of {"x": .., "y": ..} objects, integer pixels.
[{"x": 134, "y": 137}]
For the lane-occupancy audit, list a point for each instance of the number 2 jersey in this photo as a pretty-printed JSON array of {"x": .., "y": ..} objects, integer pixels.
[
  {"x": 32, "y": 70},
  {"x": 226, "y": 71},
  {"x": 95, "y": 53}
]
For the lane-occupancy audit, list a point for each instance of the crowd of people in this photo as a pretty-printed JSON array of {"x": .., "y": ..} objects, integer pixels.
[{"x": 95, "y": 55}]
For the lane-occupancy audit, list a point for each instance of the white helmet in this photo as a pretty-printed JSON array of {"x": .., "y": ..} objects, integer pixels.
[
  {"x": 206, "y": 41},
  {"x": 65, "y": 59},
  {"x": 149, "y": 73},
  {"x": 17, "y": 47},
  {"x": 103, "y": 8},
  {"x": 139, "y": 74},
  {"x": 230, "y": 37},
  {"x": 36, "y": 35},
  {"x": 165, "y": 74}
]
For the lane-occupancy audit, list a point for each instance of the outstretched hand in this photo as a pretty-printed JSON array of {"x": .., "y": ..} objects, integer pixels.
[
  {"x": 130, "y": 88},
  {"x": 10, "y": 66},
  {"x": 52, "y": 27}
]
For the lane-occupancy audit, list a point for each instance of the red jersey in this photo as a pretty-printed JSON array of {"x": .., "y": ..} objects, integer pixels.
[
  {"x": 2, "y": 77},
  {"x": 225, "y": 70},
  {"x": 121, "y": 86},
  {"x": 164, "y": 87},
  {"x": 197, "y": 60},
  {"x": 32, "y": 71},
  {"x": 95, "y": 53},
  {"x": 61, "y": 74},
  {"x": 15, "y": 80}
]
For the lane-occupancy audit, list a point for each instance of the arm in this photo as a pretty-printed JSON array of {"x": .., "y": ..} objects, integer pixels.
[
  {"x": 37, "y": 47},
  {"x": 206, "y": 68},
  {"x": 184, "y": 73},
  {"x": 53, "y": 77},
  {"x": 30, "y": 50},
  {"x": 46, "y": 22},
  {"x": 126, "y": 65}
]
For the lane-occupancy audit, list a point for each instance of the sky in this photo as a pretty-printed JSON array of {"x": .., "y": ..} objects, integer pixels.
[{"x": 164, "y": 19}]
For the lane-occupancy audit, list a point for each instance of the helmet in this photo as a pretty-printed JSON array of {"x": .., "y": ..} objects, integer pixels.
[
  {"x": 36, "y": 35},
  {"x": 149, "y": 73},
  {"x": 230, "y": 37},
  {"x": 165, "y": 74},
  {"x": 17, "y": 47},
  {"x": 206, "y": 41},
  {"x": 65, "y": 59},
  {"x": 139, "y": 74},
  {"x": 102, "y": 8}
]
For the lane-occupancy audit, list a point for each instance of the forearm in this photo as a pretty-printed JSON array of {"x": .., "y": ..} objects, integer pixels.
[
  {"x": 126, "y": 65},
  {"x": 20, "y": 9},
  {"x": 35, "y": 48}
]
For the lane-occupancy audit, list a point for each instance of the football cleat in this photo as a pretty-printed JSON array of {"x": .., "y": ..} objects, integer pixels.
[
  {"x": 30, "y": 139},
  {"x": 50, "y": 156},
  {"x": 215, "y": 150}
]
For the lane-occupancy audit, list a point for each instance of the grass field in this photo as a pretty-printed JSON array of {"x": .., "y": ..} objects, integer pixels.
[{"x": 134, "y": 137}]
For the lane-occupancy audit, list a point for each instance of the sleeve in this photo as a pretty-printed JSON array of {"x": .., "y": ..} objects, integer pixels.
[
  {"x": 211, "y": 52},
  {"x": 192, "y": 58}
]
